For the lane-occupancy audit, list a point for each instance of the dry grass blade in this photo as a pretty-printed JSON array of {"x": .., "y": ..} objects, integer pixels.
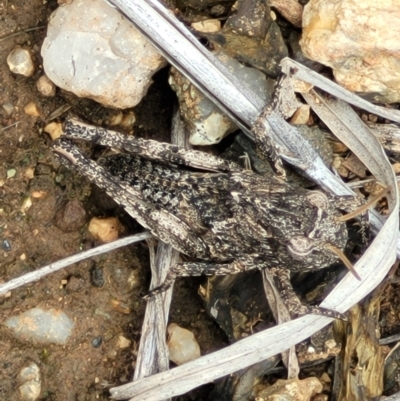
[
  {"x": 153, "y": 351},
  {"x": 281, "y": 315},
  {"x": 388, "y": 135},
  {"x": 296, "y": 70},
  {"x": 342, "y": 119},
  {"x": 61, "y": 264}
]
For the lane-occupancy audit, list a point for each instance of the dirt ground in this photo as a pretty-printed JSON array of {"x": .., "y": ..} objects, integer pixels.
[{"x": 30, "y": 239}]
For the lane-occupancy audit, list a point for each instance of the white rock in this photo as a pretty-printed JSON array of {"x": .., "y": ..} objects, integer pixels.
[
  {"x": 182, "y": 345},
  {"x": 8, "y": 108},
  {"x": 54, "y": 129},
  {"x": 359, "y": 40},
  {"x": 31, "y": 109},
  {"x": 208, "y": 25},
  {"x": 45, "y": 86},
  {"x": 105, "y": 229},
  {"x": 92, "y": 51},
  {"x": 20, "y": 62},
  {"x": 123, "y": 342},
  {"x": 290, "y": 390},
  {"x": 30, "y": 387}
]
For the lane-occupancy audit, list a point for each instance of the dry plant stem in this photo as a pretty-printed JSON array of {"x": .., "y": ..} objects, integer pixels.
[
  {"x": 281, "y": 315},
  {"x": 9, "y": 126},
  {"x": 36, "y": 28},
  {"x": 296, "y": 70},
  {"x": 153, "y": 350},
  {"x": 53, "y": 267},
  {"x": 389, "y": 340},
  {"x": 388, "y": 134},
  {"x": 361, "y": 378}
]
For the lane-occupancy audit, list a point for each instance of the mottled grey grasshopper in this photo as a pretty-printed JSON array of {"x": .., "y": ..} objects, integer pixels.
[{"x": 228, "y": 220}]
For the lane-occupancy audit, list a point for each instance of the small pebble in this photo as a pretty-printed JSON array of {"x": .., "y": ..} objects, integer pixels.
[
  {"x": 71, "y": 217},
  {"x": 59, "y": 178},
  {"x": 31, "y": 385},
  {"x": 6, "y": 245},
  {"x": 115, "y": 119},
  {"x": 120, "y": 307},
  {"x": 396, "y": 167},
  {"x": 290, "y": 390},
  {"x": 29, "y": 173},
  {"x": 11, "y": 173},
  {"x": 20, "y": 62},
  {"x": 301, "y": 115},
  {"x": 123, "y": 342},
  {"x": 112, "y": 354},
  {"x": 325, "y": 378},
  {"x": 8, "y": 108},
  {"x": 96, "y": 276},
  {"x": 97, "y": 341},
  {"x": 105, "y": 229},
  {"x": 39, "y": 194},
  {"x": 182, "y": 345},
  {"x": 134, "y": 279},
  {"x": 31, "y": 109},
  {"x": 45, "y": 86},
  {"x": 207, "y": 26},
  {"x": 26, "y": 204},
  {"x": 128, "y": 120}
]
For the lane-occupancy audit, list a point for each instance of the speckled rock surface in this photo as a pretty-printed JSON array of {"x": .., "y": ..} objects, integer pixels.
[
  {"x": 92, "y": 51},
  {"x": 359, "y": 40}
]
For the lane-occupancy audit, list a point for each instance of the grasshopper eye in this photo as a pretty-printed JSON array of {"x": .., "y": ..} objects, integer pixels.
[
  {"x": 300, "y": 246},
  {"x": 318, "y": 199}
]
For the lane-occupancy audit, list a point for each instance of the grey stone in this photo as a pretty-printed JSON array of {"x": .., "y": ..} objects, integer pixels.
[
  {"x": 50, "y": 326},
  {"x": 92, "y": 51}
]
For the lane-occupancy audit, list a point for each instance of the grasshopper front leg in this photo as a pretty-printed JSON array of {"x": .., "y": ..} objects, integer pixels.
[{"x": 154, "y": 150}]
